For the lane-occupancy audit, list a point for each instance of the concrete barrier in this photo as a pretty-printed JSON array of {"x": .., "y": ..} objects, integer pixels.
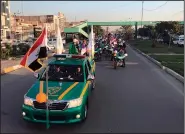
[{"x": 166, "y": 69}]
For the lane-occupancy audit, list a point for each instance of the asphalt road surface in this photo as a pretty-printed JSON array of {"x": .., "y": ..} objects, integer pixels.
[{"x": 140, "y": 98}]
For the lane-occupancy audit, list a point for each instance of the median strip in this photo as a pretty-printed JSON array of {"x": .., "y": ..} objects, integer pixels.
[{"x": 165, "y": 68}]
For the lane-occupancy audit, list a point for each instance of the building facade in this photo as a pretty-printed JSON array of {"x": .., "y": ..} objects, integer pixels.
[
  {"x": 51, "y": 20},
  {"x": 5, "y": 20},
  {"x": 23, "y": 25},
  {"x": 62, "y": 21}
]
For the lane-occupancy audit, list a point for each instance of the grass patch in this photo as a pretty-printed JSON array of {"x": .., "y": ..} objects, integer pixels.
[
  {"x": 145, "y": 46},
  {"x": 174, "y": 62}
]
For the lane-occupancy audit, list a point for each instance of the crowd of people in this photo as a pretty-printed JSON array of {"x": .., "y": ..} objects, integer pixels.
[{"x": 112, "y": 41}]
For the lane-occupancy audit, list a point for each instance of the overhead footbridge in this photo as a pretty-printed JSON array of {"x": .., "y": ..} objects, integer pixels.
[{"x": 80, "y": 28}]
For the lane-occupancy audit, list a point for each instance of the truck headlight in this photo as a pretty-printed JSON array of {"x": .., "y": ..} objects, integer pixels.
[
  {"x": 28, "y": 101},
  {"x": 75, "y": 103}
]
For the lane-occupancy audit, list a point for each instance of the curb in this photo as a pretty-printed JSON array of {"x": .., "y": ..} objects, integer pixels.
[
  {"x": 15, "y": 67},
  {"x": 166, "y": 69},
  {"x": 10, "y": 69}
]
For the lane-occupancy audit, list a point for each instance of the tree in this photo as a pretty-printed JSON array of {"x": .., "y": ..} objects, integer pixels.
[
  {"x": 169, "y": 26},
  {"x": 145, "y": 31},
  {"x": 98, "y": 30},
  {"x": 153, "y": 36},
  {"x": 128, "y": 31}
]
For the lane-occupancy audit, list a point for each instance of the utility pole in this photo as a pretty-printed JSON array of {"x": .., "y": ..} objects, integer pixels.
[
  {"x": 21, "y": 20},
  {"x": 142, "y": 15}
]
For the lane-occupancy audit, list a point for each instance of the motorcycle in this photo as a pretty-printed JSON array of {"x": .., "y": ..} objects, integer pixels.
[
  {"x": 98, "y": 54},
  {"x": 119, "y": 60}
]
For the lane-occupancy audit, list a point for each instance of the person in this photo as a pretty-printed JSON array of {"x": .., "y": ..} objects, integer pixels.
[
  {"x": 122, "y": 51},
  {"x": 78, "y": 74},
  {"x": 84, "y": 48},
  {"x": 74, "y": 47},
  {"x": 124, "y": 45}
]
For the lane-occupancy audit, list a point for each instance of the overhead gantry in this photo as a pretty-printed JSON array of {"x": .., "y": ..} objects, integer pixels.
[{"x": 80, "y": 28}]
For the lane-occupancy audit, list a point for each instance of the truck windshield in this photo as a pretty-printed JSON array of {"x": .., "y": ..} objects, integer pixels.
[{"x": 65, "y": 73}]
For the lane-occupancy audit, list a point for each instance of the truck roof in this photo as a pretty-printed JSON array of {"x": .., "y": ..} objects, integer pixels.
[{"x": 69, "y": 61}]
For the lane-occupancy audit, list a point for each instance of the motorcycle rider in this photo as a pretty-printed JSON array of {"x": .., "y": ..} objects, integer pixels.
[{"x": 121, "y": 53}]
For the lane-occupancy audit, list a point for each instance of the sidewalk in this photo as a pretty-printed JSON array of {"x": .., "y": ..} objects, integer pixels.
[
  {"x": 9, "y": 65},
  {"x": 164, "y": 54}
]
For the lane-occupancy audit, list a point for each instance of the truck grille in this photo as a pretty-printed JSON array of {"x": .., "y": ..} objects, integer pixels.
[
  {"x": 51, "y": 118},
  {"x": 52, "y": 106}
]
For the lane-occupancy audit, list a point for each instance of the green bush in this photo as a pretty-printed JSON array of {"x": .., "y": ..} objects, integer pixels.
[{"x": 6, "y": 52}]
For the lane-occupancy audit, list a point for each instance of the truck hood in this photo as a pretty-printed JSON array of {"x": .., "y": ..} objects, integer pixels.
[{"x": 56, "y": 89}]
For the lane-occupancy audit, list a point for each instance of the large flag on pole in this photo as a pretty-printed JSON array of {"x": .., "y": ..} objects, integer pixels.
[
  {"x": 59, "y": 45},
  {"x": 91, "y": 44},
  {"x": 31, "y": 60}
]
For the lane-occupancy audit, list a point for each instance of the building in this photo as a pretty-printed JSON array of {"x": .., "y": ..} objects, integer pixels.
[
  {"x": 50, "y": 20},
  {"x": 62, "y": 21},
  {"x": 19, "y": 29},
  {"x": 5, "y": 20}
]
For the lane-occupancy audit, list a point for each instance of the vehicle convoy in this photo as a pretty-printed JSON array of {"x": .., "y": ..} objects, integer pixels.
[{"x": 71, "y": 78}]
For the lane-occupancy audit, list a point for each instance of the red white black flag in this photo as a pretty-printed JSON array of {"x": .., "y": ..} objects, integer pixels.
[{"x": 36, "y": 52}]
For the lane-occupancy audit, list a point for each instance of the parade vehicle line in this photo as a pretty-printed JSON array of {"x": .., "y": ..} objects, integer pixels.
[{"x": 140, "y": 98}]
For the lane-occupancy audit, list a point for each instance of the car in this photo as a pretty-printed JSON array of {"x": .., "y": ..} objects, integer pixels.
[
  {"x": 160, "y": 40},
  {"x": 145, "y": 38},
  {"x": 179, "y": 41},
  {"x": 68, "y": 92}
]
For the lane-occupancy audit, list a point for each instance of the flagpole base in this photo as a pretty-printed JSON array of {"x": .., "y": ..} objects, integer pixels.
[{"x": 47, "y": 126}]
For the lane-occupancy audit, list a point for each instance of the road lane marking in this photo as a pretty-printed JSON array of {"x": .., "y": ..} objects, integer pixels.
[
  {"x": 85, "y": 89},
  {"x": 67, "y": 90}
]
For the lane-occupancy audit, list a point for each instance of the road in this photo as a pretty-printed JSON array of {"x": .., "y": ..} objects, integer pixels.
[{"x": 140, "y": 98}]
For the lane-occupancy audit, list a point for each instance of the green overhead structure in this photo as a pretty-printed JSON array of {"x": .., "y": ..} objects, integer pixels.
[{"x": 79, "y": 28}]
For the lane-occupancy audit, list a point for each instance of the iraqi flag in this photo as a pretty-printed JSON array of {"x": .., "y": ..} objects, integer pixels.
[{"x": 31, "y": 60}]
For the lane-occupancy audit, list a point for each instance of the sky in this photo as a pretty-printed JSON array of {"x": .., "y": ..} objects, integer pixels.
[{"x": 103, "y": 10}]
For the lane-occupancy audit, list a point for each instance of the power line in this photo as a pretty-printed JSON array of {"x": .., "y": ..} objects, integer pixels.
[
  {"x": 177, "y": 12},
  {"x": 157, "y": 7}
]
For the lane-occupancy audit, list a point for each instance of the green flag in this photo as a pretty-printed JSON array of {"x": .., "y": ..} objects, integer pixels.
[{"x": 72, "y": 49}]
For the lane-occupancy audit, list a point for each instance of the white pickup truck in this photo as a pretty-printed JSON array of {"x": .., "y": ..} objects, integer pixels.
[{"x": 179, "y": 41}]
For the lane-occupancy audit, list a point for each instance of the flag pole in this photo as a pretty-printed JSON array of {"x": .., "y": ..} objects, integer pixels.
[
  {"x": 47, "y": 105},
  {"x": 92, "y": 47}
]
